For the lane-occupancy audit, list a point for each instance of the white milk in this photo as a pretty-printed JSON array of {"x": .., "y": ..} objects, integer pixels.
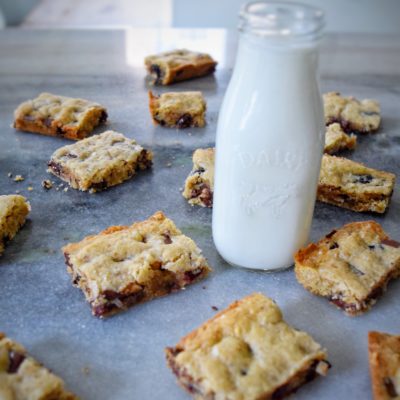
[{"x": 269, "y": 145}]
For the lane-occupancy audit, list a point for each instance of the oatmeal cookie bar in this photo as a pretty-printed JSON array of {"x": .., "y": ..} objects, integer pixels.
[
  {"x": 126, "y": 265},
  {"x": 352, "y": 185},
  {"x": 178, "y": 65},
  {"x": 54, "y": 115},
  {"x": 199, "y": 184},
  {"x": 99, "y": 161},
  {"x": 384, "y": 363},
  {"x": 13, "y": 212},
  {"x": 350, "y": 266},
  {"x": 23, "y": 378},
  {"x": 337, "y": 140},
  {"x": 246, "y": 352},
  {"x": 178, "y": 109},
  {"x": 353, "y": 115}
]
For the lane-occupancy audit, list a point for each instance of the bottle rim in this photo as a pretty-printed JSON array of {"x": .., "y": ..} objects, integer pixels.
[{"x": 281, "y": 20}]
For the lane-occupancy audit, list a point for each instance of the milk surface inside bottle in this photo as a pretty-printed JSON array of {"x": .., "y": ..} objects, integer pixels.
[{"x": 270, "y": 138}]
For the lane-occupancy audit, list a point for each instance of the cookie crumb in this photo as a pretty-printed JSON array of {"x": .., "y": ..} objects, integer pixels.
[
  {"x": 9, "y": 174},
  {"x": 204, "y": 287},
  {"x": 46, "y": 184},
  {"x": 86, "y": 370},
  {"x": 169, "y": 164},
  {"x": 66, "y": 189},
  {"x": 30, "y": 188},
  {"x": 18, "y": 178},
  {"x": 215, "y": 308},
  {"x": 17, "y": 191}
]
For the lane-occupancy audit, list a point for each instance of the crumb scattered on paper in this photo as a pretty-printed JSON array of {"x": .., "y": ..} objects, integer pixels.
[
  {"x": 9, "y": 174},
  {"x": 215, "y": 308},
  {"x": 46, "y": 184},
  {"x": 86, "y": 370},
  {"x": 30, "y": 188},
  {"x": 18, "y": 178},
  {"x": 66, "y": 189}
]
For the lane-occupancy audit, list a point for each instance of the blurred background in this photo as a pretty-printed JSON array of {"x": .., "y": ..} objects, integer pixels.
[{"x": 363, "y": 16}]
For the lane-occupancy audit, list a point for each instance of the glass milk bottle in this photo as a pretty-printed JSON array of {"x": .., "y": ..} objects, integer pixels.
[{"x": 270, "y": 138}]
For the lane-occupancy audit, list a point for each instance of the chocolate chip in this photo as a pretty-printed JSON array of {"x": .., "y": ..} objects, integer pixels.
[
  {"x": 56, "y": 167},
  {"x": 167, "y": 238},
  {"x": 110, "y": 294},
  {"x": 190, "y": 276},
  {"x": 15, "y": 359},
  {"x": 367, "y": 178},
  {"x": 391, "y": 243},
  {"x": 333, "y": 246},
  {"x": 48, "y": 122},
  {"x": 390, "y": 388},
  {"x": 161, "y": 122},
  {"x": 103, "y": 117},
  {"x": 59, "y": 131},
  {"x": 99, "y": 185},
  {"x": 330, "y": 234},
  {"x": 156, "y": 70},
  {"x": 371, "y": 247},
  {"x": 198, "y": 171},
  {"x": 243, "y": 372},
  {"x": 185, "y": 121}
]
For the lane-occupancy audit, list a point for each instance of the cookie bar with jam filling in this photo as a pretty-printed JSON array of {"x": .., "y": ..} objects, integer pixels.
[
  {"x": 337, "y": 140},
  {"x": 178, "y": 109},
  {"x": 126, "y": 265},
  {"x": 246, "y": 352},
  {"x": 353, "y": 115},
  {"x": 13, "y": 211},
  {"x": 350, "y": 266},
  {"x": 199, "y": 184},
  {"x": 55, "y": 115},
  {"x": 23, "y": 378},
  {"x": 178, "y": 65},
  {"x": 100, "y": 161},
  {"x": 352, "y": 185},
  {"x": 384, "y": 363}
]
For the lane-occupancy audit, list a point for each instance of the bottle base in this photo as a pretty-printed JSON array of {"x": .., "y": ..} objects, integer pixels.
[{"x": 265, "y": 270}]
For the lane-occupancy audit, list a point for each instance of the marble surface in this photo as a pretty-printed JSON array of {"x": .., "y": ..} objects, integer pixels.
[{"x": 122, "y": 357}]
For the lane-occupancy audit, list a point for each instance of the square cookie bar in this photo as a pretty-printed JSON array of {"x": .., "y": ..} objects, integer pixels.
[
  {"x": 178, "y": 65},
  {"x": 384, "y": 363},
  {"x": 23, "y": 378},
  {"x": 13, "y": 212},
  {"x": 99, "y": 161},
  {"x": 54, "y": 115},
  {"x": 351, "y": 266},
  {"x": 336, "y": 139},
  {"x": 199, "y": 184},
  {"x": 178, "y": 109},
  {"x": 348, "y": 184},
  {"x": 126, "y": 265},
  {"x": 246, "y": 352},
  {"x": 353, "y": 115}
]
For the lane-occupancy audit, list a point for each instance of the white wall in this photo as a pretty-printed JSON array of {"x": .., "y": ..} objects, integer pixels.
[{"x": 341, "y": 15}]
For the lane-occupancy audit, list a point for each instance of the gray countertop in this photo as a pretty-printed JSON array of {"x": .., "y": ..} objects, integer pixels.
[{"x": 122, "y": 357}]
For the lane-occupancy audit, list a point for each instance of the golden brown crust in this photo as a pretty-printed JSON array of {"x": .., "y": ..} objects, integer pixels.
[
  {"x": 126, "y": 265},
  {"x": 178, "y": 65},
  {"x": 246, "y": 352},
  {"x": 350, "y": 266},
  {"x": 384, "y": 363},
  {"x": 348, "y": 184},
  {"x": 62, "y": 116}
]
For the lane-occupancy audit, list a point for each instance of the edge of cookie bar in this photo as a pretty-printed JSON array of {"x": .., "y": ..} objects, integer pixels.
[
  {"x": 134, "y": 293},
  {"x": 198, "y": 192},
  {"x": 362, "y": 203},
  {"x": 318, "y": 365},
  {"x": 382, "y": 386},
  {"x": 56, "y": 128},
  {"x": 351, "y": 309}
]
